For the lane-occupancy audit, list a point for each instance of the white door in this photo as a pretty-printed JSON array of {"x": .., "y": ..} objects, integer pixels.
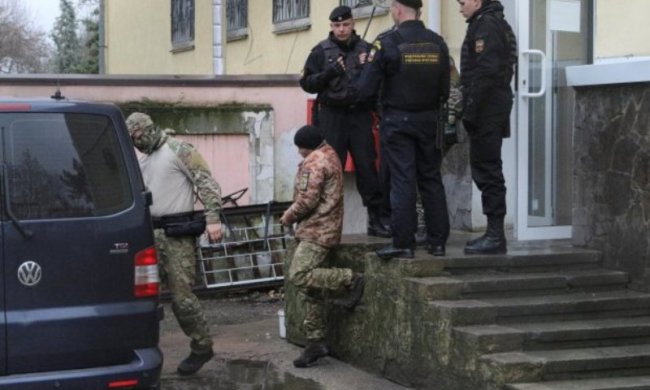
[{"x": 552, "y": 34}]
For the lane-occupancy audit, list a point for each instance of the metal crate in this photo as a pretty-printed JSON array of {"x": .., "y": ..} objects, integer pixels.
[{"x": 252, "y": 250}]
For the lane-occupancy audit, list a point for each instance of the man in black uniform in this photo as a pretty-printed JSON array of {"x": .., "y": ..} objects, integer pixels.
[
  {"x": 488, "y": 58},
  {"x": 346, "y": 123},
  {"x": 411, "y": 66}
]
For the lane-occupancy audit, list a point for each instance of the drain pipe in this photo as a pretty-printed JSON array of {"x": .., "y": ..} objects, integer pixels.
[{"x": 434, "y": 16}]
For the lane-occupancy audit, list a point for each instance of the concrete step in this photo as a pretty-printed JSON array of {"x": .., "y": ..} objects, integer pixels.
[
  {"x": 554, "y": 335},
  {"x": 524, "y": 260},
  {"x": 583, "y": 363},
  {"x": 622, "y": 383},
  {"x": 576, "y": 306},
  {"x": 496, "y": 284}
]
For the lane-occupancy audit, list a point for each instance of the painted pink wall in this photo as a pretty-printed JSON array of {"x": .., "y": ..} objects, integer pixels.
[{"x": 227, "y": 156}]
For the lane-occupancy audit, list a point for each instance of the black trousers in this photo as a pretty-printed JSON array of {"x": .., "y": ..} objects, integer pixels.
[
  {"x": 414, "y": 164},
  {"x": 486, "y": 139},
  {"x": 351, "y": 130}
]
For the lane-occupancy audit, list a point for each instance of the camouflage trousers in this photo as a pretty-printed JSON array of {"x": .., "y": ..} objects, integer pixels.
[
  {"x": 176, "y": 256},
  {"x": 311, "y": 276}
]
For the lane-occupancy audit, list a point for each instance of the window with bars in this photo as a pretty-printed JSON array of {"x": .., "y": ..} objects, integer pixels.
[
  {"x": 364, "y": 8},
  {"x": 356, "y": 3},
  {"x": 237, "y": 19},
  {"x": 288, "y": 10},
  {"x": 182, "y": 24}
]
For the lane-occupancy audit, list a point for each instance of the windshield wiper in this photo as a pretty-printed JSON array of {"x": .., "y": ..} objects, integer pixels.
[{"x": 26, "y": 233}]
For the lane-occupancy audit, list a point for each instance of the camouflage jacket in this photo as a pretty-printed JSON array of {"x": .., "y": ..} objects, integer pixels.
[
  {"x": 174, "y": 173},
  {"x": 318, "y": 198}
]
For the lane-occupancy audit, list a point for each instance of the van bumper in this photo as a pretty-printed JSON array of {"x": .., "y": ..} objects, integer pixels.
[{"x": 145, "y": 368}]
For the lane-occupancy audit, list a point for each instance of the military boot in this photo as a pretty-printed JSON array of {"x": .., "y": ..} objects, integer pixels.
[
  {"x": 375, "y": 226},
  {"x": 310, "y": 354},
  {"x": 354, "y": 295},
  {"x": 492, "y": 242},
  {"x": 194, "y": 362}
]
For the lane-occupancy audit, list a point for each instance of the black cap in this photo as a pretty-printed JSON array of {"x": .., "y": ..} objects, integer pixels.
[
  {"x": 411, "y": 3},
  {"x": 340, "y": 13},
  {"x": 308, "y": 137}
]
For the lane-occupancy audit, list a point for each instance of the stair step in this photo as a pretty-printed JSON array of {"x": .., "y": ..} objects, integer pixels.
[
  {"x": 623, "y": 383},
  {"x": 569, "y": 307},
  {"x": 531, "y": 366},
  {"x": 518, "y": 260},
  {"x": 554, "y": 335},
  {"x": 509, "y": 284},
  {"x": 576, "y": 306}
]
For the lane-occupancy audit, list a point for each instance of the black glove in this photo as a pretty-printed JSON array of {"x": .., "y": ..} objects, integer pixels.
[{"x": 336, "y": 69}]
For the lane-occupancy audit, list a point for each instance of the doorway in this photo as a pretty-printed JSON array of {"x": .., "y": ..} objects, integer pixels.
[{"x": 552, "y": 35}]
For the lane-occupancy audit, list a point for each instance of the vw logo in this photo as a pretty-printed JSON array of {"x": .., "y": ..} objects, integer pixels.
[{"x": 29, "y": 273}]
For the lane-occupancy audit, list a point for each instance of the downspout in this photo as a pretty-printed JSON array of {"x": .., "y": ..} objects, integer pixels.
[
  {"x": 217, "y": 37},
  {"x": 434, "y": 16}
]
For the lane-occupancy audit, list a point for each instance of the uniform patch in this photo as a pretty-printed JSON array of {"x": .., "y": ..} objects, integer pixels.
[
  {"x": 303, "y": 184},
  {"x": 376, "y": 46},
  {"x": 479, "y": 46}
]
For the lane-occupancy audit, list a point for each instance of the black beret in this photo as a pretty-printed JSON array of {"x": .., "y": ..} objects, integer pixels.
[
  {"x": 340, "y": 13},
  {"x": 411, "y": 3},
  {"x": 308, "y": 137}
]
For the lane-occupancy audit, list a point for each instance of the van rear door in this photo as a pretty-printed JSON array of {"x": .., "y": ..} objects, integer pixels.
[{"x": 73, "y": 223}]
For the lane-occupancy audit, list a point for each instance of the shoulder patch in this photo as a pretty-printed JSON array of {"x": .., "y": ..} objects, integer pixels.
[
  {"x": 376, "y": 46},
  {"x": 479, "y": 46},
  {"x": 303, "y": 184}
]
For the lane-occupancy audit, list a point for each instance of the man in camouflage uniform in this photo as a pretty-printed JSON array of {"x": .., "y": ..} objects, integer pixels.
[
  {"x": 318, "y": 210},
  {"x": 172, "y": 170}
]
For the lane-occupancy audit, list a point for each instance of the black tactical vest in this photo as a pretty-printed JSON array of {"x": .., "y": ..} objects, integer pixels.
[
  {"x": 415, "y": 86},
  {"x": 337, "y": 92}
]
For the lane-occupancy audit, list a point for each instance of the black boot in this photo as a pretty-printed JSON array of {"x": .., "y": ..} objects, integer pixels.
[
  {"x": 375, "y": 226},
  {"x": 310, "y": 354},
  {"x": 355, "y": 293},
  {"x": 492, "y": 242},
  {"x": 193, "y": 363}
]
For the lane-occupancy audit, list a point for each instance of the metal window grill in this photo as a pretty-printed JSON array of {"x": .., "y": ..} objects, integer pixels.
[
  {"x": 286, "y": 10},
  {"x": 252, "y": 250},
  {"x": 182, "y": 21},
  {"x": 356, "y": 3},
  {"x": 237, "y": 14}
]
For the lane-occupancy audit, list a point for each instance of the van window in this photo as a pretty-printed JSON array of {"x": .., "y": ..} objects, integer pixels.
[{"x": 63, "y": 165}]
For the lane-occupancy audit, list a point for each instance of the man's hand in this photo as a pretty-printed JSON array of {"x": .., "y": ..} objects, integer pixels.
[
  {"x": 214, "y": 231},
  {"x": 284, "y": 220}
]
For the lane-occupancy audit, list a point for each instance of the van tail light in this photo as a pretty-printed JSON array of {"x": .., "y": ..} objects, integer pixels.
[
  {"x": 147, "y": 281},
  {"x": 123, "y": 384}
]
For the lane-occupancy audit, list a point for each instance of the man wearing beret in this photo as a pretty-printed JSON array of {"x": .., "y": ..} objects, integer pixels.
[
  {"x": 488, "y": 58},
  {"x": 318, "y": 209},
  {"x": 410, "y": 64},
  {"x": 346, "y": 124}
]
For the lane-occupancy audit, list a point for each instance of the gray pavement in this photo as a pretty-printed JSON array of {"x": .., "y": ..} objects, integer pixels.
[{"x": 249, "y": 354}]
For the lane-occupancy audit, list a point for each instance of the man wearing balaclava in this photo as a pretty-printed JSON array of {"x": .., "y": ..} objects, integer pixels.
[{"x": 171, "y": 170}]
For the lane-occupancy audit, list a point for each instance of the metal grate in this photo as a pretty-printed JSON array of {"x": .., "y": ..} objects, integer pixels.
[
  {"x": 285, "y": 10},
  {"x": 237, "y": 14},
  {"x": 356, "y": 3},
  {"x": 252, "y": 251}
]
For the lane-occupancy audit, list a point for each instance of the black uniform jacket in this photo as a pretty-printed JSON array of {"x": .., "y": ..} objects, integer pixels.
[
  {"x": 318, "y": 74},
  {"x": 488, "y": 57},
  {"x": 410, "y": 64}
]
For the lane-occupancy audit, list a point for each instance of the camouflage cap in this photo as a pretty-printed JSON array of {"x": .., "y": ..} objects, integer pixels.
[{"x": 138, "y": 121}]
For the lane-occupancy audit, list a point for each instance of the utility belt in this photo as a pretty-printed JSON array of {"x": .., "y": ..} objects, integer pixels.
[{"x": 190, "y": 223}]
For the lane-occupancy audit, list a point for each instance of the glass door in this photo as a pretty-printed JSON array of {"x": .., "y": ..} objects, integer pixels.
[{"x": 552, "y": 34}]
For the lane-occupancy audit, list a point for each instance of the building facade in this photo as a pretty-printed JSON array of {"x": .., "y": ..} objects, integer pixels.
[{"x": 257, "y": 37}]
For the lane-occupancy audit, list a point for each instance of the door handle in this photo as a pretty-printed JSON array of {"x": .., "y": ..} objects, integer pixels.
[{"x": 525, "y": 92}]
